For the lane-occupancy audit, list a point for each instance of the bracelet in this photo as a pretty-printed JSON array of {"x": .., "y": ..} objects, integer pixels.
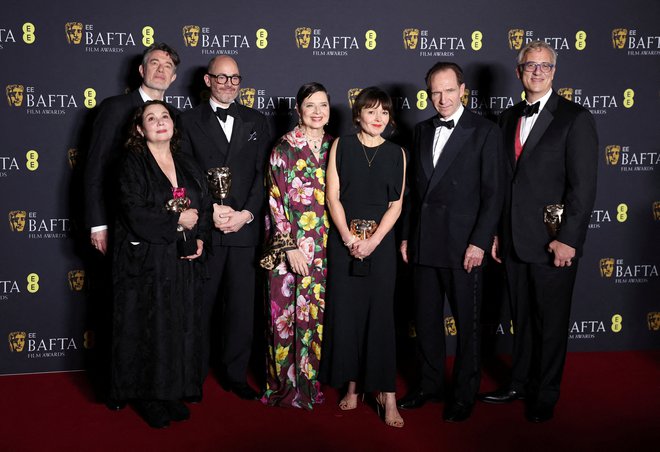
[{"x": 350, "y": 242}]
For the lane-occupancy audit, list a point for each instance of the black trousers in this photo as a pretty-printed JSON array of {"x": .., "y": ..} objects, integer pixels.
[
  {"x": 229, "y": 307},
  {"x": 540, "y": 296},
  {"x": 464, "y": 292}
]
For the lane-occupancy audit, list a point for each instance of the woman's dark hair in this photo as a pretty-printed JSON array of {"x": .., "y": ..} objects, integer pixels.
[
  {"x": 369, "y": 98},
  {"x": 307, "y": 90},
  {"x": 136, "y": 142}
]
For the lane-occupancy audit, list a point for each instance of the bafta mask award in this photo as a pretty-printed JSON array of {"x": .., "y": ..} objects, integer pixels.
[
  {"x": 552, "y": 218},
  {"x": 362, "y": 229},
  {"x": 180, "y": 203},
  {"x": 219, "y": 180}
]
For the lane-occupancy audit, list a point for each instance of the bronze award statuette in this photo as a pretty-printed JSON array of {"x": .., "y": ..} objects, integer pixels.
[
  {"x": 219, "y": 180},
  {"x": 552, "y": 218},
  {"x": 363, "y": 229}
]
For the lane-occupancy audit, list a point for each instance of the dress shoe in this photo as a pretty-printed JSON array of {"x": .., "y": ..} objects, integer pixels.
[
  {"x": 244, "y": 392},
  {"x": 153, "y": 412},
  {"x": 115, "y": 405},
  {"x": 177, "y": 411},
  {"x": 502, "y": 396},
  {"x": 457, "y": 412},
  {"x": 540, "y": 412},
  {"x": 417, "y": 399}
]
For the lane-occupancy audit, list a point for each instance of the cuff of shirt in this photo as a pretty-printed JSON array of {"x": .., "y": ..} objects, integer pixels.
[
  {"x": 103, "y": 227},
  {"x": 251, "y": 216}
]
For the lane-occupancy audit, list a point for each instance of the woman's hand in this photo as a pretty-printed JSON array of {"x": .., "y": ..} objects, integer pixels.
[
  {"x": 188, "y": 218},
  {"x": 200, "y": 248},
  {"x": 363, "y": 248},
  {"x": 297, "y": 262}
]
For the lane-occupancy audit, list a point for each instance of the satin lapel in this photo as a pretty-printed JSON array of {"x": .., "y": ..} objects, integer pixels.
[
  {"x": 426, "y": 149},
  {"x": 510, "y": 134},
  {"x": 540, "y": 126},
  {"x": 451, "y": 150},
  {"x": 239, "y": 136},
  {"x": 212, "y": 129}
]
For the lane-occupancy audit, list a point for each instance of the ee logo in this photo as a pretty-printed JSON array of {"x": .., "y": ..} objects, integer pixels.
[
  {"x": 28, "y": 33},
  {"x": 628, "y": 98},
  {"x": 90, "y": 97},
  {"x": 616, "y": 323},
  {"x": 33, "y": 282},
  {"x": 370, "y": 42},
  {"x": 147, "y": 36},
  {"x": 32, "y": 162},
  {"x": 622, "y": 212},
  {"x": 477, "y": 36},
  {"x": 262, "y": 38},
  {"x": 422, "y": 98},
  {"x": 581, "y": 40}
]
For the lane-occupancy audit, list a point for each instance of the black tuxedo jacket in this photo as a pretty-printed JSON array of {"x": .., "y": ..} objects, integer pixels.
[
  {"x": 558, "y": 164},
  {"x": 246, "y": 156},
  {"x": 110, "y": 131},
  {"x": 458, "y": 202}
]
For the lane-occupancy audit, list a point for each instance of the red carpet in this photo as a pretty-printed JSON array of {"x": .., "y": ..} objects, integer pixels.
[{"x": 610, "y": 401}]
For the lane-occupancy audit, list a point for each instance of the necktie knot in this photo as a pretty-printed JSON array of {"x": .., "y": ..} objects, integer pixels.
[
  {"x": 222, "y": 113},
  {"x": 530, "y": 110},
  {"x": 437, "y": 122}
]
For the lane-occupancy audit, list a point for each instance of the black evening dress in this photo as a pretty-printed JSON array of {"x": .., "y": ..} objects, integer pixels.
[
  {"x": 156, "y": 352},
  {"x": 359, "y": 337}
]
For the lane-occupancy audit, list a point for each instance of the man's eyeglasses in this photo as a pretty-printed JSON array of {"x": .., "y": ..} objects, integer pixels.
[
  {"x": 530, "y": 66},
  {"x": 222, "y": 78}
]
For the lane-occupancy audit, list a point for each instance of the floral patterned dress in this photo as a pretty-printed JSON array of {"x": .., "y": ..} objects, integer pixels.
[{"x": 297, "y": 209}]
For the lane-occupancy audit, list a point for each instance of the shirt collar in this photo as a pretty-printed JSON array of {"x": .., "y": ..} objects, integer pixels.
[
  {"x": 542, "y": 101},
  {"x": 456, "y": 115}
]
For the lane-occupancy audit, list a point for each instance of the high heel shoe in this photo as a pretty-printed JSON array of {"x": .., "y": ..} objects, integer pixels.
[
  {"x": 347, "y": 403},
  {"x": 393, "y": 420}
]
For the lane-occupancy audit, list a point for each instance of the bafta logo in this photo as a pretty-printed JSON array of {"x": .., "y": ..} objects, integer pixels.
[
  {"x": 352, "y": 95},
  {"x": 17, "y": 220},
  {"x": 72, "y": 157},
  {"x": 619, "y": 36},
  {"x": 246, "y": 95},
  {"x": 410, "y": 38},
  {"x": 450, "y": 326},
  {"x": 303, "y": 36},
  {"x": 653, "y": 319},
  {"x": 656, "y": 210},
  {"x": 17, "y": 341},
  {"x": 612, "y": 153},
  {"x": 465, "y": 98},
  {"x": 15, "y": 95},
  {"x": 606, "y": 267},
  {"x": 516, "y": 38},
  {"x": 566, "y": 93},
  {"x": 76, "y": 280},
  {"x": 74, "y": 32},
  {"x": 191, "y": 35}
]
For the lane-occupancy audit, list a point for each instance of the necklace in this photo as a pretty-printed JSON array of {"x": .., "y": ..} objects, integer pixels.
[
  {"x": 369, "y": 160},
  {"x": 314, "y": 143}
]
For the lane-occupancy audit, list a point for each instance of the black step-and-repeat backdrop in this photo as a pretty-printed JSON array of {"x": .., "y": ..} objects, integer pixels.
[{"x": 59, "y": 60}]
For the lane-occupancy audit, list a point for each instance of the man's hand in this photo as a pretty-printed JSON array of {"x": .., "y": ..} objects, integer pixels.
[
  {"x": 100, "y": 241},
  {"x": 495, "y": 250},
  {"x": 474, "y": 256},
  {"x": 404, "y": 250},
  {"x": 228, "y": 220},
  {"x": 564, "y": 254}
]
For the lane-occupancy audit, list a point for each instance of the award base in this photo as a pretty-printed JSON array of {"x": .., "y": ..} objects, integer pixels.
[
  {"x": 360, "y": 267},
  {"x": 186, "y": 247}
]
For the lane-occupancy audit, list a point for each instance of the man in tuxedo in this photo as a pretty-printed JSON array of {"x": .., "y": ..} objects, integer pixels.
[
  {"x": 158, "y": 71},
  {"x": 455, "y": 200},
  {"x": 551, "y": 151},
  {"x": 109, "y": 132},
  {"x": 221, "y": 133}
]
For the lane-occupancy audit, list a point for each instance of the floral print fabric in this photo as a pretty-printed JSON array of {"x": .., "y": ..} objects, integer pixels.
[{"x": 296, "y": 192}]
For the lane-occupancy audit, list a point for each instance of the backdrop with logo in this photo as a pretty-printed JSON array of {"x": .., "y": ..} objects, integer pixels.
[{"x": 61, "y": 59}]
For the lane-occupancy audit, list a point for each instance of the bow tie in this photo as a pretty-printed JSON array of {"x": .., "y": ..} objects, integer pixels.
[
  {"x": 529, "y": 110},
  {"x": 223, "y": 112},
  {"x": 437, "y": 122}
]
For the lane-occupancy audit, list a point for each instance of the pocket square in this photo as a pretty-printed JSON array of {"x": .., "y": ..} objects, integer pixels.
[{"x": 253, "y": 136}]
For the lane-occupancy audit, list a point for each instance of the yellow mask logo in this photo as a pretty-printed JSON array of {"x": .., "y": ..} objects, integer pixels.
[
  {"x": 191, "y": 35},
  {"x": 465, "y": 98},
  {"x": 656, "y": 210},
  {"x": 566, "y": 93},
  {"x": 606, "y": 267},
  {"x": 17, "y": 341},
  {"x": 72, "y": 157},
  {"x": 76, "y": 280},
  {"x": 17, "y": 220},
  {"x": 516, "y": 38},
  {"x": 619, "y": 37},
  {"x": 653, "y": 319},
  {"x": 352, "y": 95},
  {"x": 303, "y": 37},
  {"x": 410, "y": 38},
  {"x": 612, "y": 154},
  {"x": 15, "y": 95},
  {"x": 246, "y": 95},
  {"x": 450, "y": 326},
  {"x": 74, "y": 32}
]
